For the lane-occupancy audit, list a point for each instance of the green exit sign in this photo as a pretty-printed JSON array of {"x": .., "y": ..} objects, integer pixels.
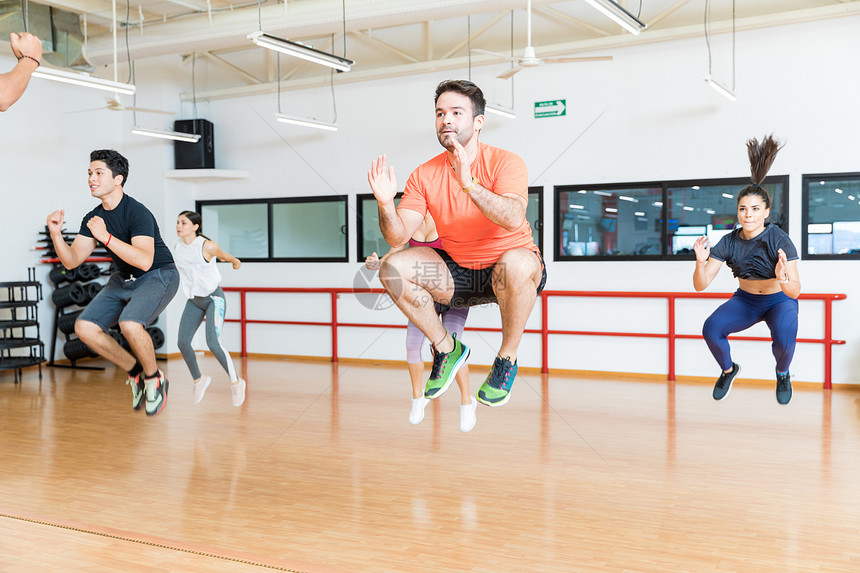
[{"x": 551, "y": 108}]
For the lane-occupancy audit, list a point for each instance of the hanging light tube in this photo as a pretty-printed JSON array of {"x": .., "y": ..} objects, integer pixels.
[
  {"x": 86, "y": 80},
  {"x": 621, "y": 16},
  {"x": 300, "y": 51},
  {"x": 499, "y": 110},
  {"x": 306, "y": 122},
  {"x": 166, "y": 134},
  {"x": 720, "y": 88}
]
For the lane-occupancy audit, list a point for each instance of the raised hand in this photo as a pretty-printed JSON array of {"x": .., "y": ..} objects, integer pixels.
[
  {"x": 702, "y": 247},
  {"x": 55, "y": 222},
  {"x": 461, "y": 165},
  {"x": 382, "y": 181},
  {"x": 372, "y": 262},
  {"x": 25, "y": 44},
  {"x": 96, "y": 225},
  {"x": 781, "y": 269}
]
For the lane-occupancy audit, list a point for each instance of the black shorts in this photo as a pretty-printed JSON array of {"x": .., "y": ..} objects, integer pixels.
[{"x": 474, "y": 287}]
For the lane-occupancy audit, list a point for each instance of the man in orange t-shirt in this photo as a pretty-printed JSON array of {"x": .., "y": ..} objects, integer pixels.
[{"x": 478, "y": 195}]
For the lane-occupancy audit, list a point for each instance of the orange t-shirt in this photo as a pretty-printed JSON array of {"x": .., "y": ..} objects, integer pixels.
[{"x": 472, "y": 240}]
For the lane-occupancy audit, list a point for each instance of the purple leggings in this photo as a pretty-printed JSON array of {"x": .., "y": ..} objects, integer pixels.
[{"x": 453, "y": 319}]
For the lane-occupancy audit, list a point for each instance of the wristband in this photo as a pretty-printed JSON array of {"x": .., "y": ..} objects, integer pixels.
[
  {"x": 109, "y": 238},
  {"x": 38, "y": 63},
  {"x": 471, "y": 186}
]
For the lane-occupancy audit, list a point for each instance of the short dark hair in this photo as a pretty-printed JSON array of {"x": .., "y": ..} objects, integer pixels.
[
  {"x": 117, "y": 164},
  {"x": 466, "y": 88}
]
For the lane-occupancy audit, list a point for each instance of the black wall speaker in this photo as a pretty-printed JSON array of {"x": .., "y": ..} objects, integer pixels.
[{"x": 200, "y": 155}]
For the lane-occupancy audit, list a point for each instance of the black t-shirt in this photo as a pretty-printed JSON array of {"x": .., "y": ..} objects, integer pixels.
[
  {"x": 130, "y": 219},
  {"x": 756, "y": 258}
]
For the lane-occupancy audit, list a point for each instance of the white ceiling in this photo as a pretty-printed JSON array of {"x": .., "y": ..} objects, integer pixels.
[{"x": 392, "y": 37}]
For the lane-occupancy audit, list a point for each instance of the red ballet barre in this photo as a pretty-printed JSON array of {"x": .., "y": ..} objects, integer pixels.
[{"x": 671, "y": 336}]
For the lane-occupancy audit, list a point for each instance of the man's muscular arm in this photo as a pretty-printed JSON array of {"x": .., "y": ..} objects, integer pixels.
[
  {"x": 139, "y": 253},
  {"x": 507, "y": 211}
]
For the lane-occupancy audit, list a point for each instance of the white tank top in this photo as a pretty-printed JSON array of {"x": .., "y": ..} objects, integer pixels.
[{"x": 198, "y": 278}]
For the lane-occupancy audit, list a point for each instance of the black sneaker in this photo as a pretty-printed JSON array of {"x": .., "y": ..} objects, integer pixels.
[
  {"x": 724, "y": 382},
  {"x": 783, "y": 388},
  {"x": 156, "y": 393},
  {"x": 138, "y": 391}
]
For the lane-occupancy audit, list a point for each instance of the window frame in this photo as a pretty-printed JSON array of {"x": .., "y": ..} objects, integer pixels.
[
  {"x": 665, "y": 255},
  {"x": 805, "y": 180},
  {"x": 270, "y": 203},
  {"x": 537, "y": 193}
]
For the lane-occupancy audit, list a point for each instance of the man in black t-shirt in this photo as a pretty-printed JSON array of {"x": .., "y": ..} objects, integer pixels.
[{"x": 142, "y": 286}]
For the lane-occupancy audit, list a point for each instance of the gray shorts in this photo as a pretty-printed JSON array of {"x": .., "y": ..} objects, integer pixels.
[{"x": 137, "y": 300}]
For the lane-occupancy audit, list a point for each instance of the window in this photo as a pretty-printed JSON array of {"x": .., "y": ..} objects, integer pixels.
[
  {"x": 831, "y": 217},
  {"x": 534, "y": 214},
  {"x": 296, "y": 229},
  {"x": 370, "y": 237},
  {"x": 652, "y": 221}
]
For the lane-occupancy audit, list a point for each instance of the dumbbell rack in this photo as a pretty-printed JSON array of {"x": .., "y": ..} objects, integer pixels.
[
  {"x": 74, "y": 296},
  {"x": 22, "y": 305}
]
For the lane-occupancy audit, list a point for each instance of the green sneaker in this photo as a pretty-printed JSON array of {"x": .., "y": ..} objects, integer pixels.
[
  {"x": 445, "y": 367},
  {"x": 496, "y": 389}
]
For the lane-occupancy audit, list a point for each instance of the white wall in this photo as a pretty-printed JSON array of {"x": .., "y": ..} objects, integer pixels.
[{"x": 645, "y": 116}]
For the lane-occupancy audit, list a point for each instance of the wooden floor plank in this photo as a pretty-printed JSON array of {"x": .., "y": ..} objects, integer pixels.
[{"x": 320, "y": 471}]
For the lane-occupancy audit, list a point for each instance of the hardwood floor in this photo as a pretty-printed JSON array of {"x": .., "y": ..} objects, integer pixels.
[{"x": 319, "y": 471}]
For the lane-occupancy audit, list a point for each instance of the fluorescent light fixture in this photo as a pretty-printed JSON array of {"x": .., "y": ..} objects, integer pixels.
[
  {"x": 611, "y": 210},
  {"x": 687, "y": 208},
  {"x": 582, "y": 191},
  {"x": 728, "y": 196},
  {"x": 603, "y": 193},
  {"x": 696, "y": 187},
  {"x": 626, "y": 198},
  {"x": 838, "y": 190},
  {"x": 166, "y": 134},
  {"x": 575, "y": 206},
  {"x": 710, "y": 212},
  {"x": 720, "y": 88},
  {"x": 306, "y": 122},
  {"x": 621, "y": 16},
  {"x": 82, "y": 79},
  {"x": 657, "y": 203},
  {"x": 639, "y": 213},
  {"x": 300, "y": 51},
  {"x": 499, "y": 110}
]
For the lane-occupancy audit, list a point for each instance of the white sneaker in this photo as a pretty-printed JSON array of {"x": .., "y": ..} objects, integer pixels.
[
  {"x": 467, "y": 416},
  {"x": 238, "y": 391},
  {"x": 417, "y": 413},
  {"x": 200, "y": 388}
]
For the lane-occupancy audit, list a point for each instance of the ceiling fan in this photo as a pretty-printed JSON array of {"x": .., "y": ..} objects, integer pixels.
[
  {"x": 114, "y": 104},
  {"x": 530, "y": 60}
]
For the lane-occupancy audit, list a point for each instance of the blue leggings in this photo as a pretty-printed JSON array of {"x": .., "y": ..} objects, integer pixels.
[{"x": 743, "y": 310}]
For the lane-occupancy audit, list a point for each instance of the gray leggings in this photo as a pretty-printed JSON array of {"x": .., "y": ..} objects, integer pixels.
[{"x": 213, "y": 307}]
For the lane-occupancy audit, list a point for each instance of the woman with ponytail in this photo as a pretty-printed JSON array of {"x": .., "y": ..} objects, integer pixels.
[
  {"x": 764, "y": 260},
  {"x": 195, "y": 255}
]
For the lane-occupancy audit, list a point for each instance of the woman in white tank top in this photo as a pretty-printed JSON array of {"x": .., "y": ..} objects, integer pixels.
[{"x": 195, "y": 256}]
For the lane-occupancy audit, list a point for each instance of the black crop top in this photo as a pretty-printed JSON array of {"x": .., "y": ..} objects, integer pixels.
[{"x": 754, "y": 259}]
